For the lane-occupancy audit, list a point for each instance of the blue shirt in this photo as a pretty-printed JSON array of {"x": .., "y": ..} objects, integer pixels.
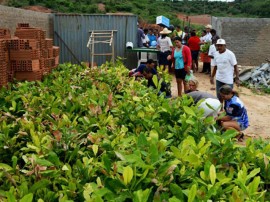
[
  {"x": 179, "y": 60},
  {"x": 151, "y": 38},
  {"x": 143, "y": 68},
  {"x": 235, "y": 108}
]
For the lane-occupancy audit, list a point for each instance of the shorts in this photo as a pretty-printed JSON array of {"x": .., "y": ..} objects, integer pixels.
[
  {"x": 242, "y": 127},
  {"x": 194, "y": 55},
  {"x": 218, "y": 86},
  {"x": 180, "y": 73},
  {"x": 162, "y": 58}
]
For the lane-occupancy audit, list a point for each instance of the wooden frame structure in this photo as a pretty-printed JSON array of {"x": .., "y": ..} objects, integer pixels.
[{"x": 101, "y": 36}]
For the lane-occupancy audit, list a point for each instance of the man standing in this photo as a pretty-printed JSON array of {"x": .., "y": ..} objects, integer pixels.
[
  {"x": 225, "y": 65},
  {"x": 140, "y": 36}
]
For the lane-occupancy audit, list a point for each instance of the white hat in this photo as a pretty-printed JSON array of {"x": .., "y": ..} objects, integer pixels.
[
  {"x": 211, "y": 107},
  {"x": 129, "y": 45},
  {"x": 221, "y": 42},
  {"x": 208, "y": 26},
  {"x": 165, "y": 31}
]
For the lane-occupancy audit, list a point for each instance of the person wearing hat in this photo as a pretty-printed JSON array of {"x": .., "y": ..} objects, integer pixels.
[
  {"x": 208, "y": 36},
  {"x": 225, "y": 65},
  {"x": 164, "y": 45}
]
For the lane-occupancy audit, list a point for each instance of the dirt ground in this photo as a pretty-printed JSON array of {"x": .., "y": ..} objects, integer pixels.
[{"x": 258, "y": 106}]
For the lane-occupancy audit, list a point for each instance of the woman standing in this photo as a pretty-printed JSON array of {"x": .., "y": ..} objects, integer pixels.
[
  {"x": 194, "y": 45},
  {"x": 182, "y": 60},
  {"x": 164, "y": 45},
  {"x": 236, "y": 114}
]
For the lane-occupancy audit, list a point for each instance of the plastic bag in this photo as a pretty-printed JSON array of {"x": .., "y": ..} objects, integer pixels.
[{"x": 189, "y": 76}]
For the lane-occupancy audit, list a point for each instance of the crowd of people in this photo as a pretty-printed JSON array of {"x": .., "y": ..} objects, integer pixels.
[{"x": 179, "y": 51}]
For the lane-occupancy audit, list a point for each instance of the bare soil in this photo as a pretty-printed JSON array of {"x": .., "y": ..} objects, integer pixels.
[{"x": 258, "y": 106}]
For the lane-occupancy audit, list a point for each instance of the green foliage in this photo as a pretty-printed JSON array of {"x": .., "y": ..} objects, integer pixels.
[
  {"x": 147, "y": 10},
  {"x": 97, "y": 135}
]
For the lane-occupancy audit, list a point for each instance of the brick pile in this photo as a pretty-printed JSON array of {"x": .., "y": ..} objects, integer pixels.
[
  {"x": 4, "y": 58},
  {"x": 31, "y": 55}
]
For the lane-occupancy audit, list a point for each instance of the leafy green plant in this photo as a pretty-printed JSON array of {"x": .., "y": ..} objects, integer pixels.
[{"x": 97, "y": 135}]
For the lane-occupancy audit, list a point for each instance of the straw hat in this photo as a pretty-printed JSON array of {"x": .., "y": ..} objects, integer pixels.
[
  {"x": 208, "y": 26},
  {"x": 165, "y": 31}
]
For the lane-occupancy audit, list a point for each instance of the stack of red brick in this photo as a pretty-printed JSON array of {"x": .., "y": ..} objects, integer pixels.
[
  {"x": 4, "y": 58},
  {"x": 31, "y": 55}
]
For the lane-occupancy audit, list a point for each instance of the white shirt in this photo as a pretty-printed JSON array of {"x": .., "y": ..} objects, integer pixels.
[
  {"x": 146, "y": 39},
  {"x": 164, "y": 44},
  {"x": 208, "y": 37},
  {"x": 225, "y": 66},
  {"x": 212, "y": 52}
]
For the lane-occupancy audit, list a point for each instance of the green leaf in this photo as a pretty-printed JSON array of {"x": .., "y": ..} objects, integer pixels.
[
  {"x": 253, "y": 173},
  {"x": 43, "y": 162},
  {"x": 177, "y": 191},
  {"x": 141, "y": 196},
  {"x": 189, "y": 111},
  {"x": 136, "y": 98},
  {"x": 154, "y": 135},
  {"x": 174, "y": 199},
  {"x": 155, "y": 80},
  {"x": 176, "y": 152},
  {"x": 95, "y": 149},
  {"x": 5, "y": 167},
  {"x": 114, "y": 185},
  {"x": 192, "y": 193},
  {"x": 27, "y": 198},
  {"x": 253, "y": 186},
  {"x": 10, "y": 197},
  {"x": 106, "y": 162},
  {"x": 39, "y": 185},
  {"x": 213, "y": 175},
  {"x": 35, "y": 138},
  {"x": 153, "y": 151},
  {"x": 127, "y": 175}
]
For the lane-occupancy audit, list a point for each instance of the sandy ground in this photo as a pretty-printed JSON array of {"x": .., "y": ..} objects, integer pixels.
[{"x": 258, "y": 106}]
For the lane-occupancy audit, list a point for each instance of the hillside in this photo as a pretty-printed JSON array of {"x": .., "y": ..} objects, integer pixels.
[{"x": 147, "y": 10}]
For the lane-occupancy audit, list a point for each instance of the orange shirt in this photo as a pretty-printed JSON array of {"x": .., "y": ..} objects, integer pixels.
[{"x": 193, "y": 43}]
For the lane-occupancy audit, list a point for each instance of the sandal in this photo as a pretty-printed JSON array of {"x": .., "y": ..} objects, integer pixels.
[{"x": 240, "y": 137}]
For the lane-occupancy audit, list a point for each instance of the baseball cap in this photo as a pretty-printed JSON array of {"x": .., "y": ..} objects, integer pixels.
[{"x": 221, "y": 42}]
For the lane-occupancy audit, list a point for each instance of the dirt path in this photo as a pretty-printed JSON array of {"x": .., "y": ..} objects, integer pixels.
[{"x": 258, "y": 106}]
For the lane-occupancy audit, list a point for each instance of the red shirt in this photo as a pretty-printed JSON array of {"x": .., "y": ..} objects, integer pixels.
[{"x": 193, "y": 43}]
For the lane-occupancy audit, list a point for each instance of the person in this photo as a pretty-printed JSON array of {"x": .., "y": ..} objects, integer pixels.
[
  {"x": 141, "y": 70},
  {"x": 181, "y": 56},
  {"x": 140, "y": 36},
  {"x": 164, "y": 45},
  {"x": 147, "y": 71},
  {"x": 225, "y": 65},
  {"x": 211, "y": 53},
  {"x": 185, "y": 35},
  {"x": 194, "y": 45},
  {"x": 208, "y": 36},
  {"x": 210, "y": 104},
  {"x": 195, "y": 93},
  {"x": 236, "y": 117},
  {"x": 151, "y": 37},
  {"x": 204, "y": 56},
  {"x": 215, "y": 37},
  {"x": 146, "y": 41},
  {"x": 177, "y": 32}
]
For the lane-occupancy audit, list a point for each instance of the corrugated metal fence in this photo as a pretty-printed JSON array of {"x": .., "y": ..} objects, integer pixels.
[{"x": 71, "y": 33}]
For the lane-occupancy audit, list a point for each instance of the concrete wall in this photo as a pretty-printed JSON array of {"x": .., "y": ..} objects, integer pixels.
[
  {"x": 248, "y": 38},
  {"x": 10, "y": 17}
]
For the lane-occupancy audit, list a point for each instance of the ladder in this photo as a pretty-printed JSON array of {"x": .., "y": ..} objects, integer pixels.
[{"x": 101, "y": 36}]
